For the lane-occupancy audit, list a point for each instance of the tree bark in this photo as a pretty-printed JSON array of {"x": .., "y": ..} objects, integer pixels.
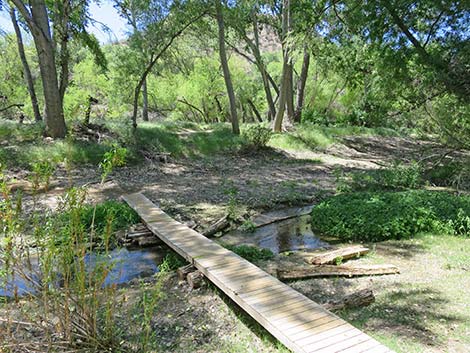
[
  {"x": 283, "y": 94},
  {"x": 358, "y": 299},
  {"x": 225, "y": 68},
  {"x": 332, "y": 270},
  {"x": 262, "y": 69},
  {"x": 145, "y": 98},
  {"x": 331, "y": 257},
  {"x": 301, "y": 86},
  {"x": 38, "y": 23},
  {"x": 27, "y": 71}
]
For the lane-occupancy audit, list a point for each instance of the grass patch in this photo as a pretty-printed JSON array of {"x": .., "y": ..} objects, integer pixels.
[
  {"x": 184, "y": 141},
  {"x": 307, "y": 137},
  {"x": 251, "y": 253},
  {"x": 369, "y": 216},
  {"x": 418, "y": 311}
]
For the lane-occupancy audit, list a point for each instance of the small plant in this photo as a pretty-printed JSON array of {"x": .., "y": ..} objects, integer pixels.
[
  {"x": 116, "y": 157},
  {"x": 251, "y": 253},
  {"x": 248, "y": 226},
  {"x": 257, "y": 135},
  {"x": 232, "y": 192},
  {"x": 42, "y": 173},
  {"x": 172, "y": 261}
]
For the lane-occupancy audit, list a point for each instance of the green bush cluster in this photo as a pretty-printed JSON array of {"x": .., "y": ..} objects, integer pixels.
[
  {"x": 251, "y": 253},
  {"x": 398, "y": 177},
  {"x": 257, "y": 135},
  {"x": 118, "y": 214},
  {"x": 376, "y": 216}
]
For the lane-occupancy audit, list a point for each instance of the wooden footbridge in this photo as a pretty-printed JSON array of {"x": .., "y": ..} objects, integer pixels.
[{"x": 299, "y": 323}]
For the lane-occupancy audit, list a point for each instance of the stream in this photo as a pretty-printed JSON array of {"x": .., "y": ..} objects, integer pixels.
[{"x": 127, "y": 265}]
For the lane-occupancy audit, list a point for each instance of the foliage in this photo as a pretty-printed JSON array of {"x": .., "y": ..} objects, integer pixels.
[
  {"x": 116, "y": 157},
  {"x": 257, "y": 135},
  {"x": 369, "y": 216},
  {"x": 107, "y": 216},
  {"x": 42, "y": 172},
  {"x": 397, "y": 177},
  {"x": 172, "y": 261},
  {"x": 251, "y": 253}
]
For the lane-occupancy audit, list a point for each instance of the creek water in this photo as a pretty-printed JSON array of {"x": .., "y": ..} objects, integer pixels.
[
  {"x": 293, "y": 234},
  {"x": 126, "y": 265}
]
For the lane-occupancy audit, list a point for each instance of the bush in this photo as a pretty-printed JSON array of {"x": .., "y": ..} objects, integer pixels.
[
  {"x": 109, "y": 216},
  {"x": 251, "y": 253},
  {"x": 257, "y": 135},
  {"x": 398, "y": 177},
  {"x": 376, "y": 216}
]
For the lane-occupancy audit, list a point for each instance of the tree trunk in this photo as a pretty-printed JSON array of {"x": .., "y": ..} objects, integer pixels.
[
  {"x": 27, "y": 72},
  {"x": 332, "y": 270},
  {"x": 145, "y": 98},
  {"x": 38, "y": 23},
  {"x": 358, "y": 299},
  {"x": 262, "y": 69},
  {"x": 62, "y": 34},
  {"x": 333, "y": 256},
  {"x": 225, "y": 68},
  {"x": 301, "y": 86},
  {"x": 283, "y": 94}
]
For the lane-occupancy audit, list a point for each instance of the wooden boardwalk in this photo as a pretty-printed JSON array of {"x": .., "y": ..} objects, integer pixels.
[{"x": 299, "y": 323}]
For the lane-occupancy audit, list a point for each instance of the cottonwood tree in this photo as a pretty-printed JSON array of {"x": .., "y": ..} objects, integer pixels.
[
  {"x": 37, "y": 19},
  {"x": 26, "y": 69},
  {"x": 159, "y": 23},
  {"x": 224, "y": 63}
]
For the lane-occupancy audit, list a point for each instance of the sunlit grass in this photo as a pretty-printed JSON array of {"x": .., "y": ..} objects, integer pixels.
[{"x": 307, "y": 137}]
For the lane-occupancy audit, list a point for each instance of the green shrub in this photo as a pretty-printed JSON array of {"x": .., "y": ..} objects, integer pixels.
[
  {"x": 375, "y": 216},
  {"x": 257, "y": 135},
  {"x": 109, "y": 216},
  {"x": 398, "y": 177},
  {"x": 251, "y": 253}
]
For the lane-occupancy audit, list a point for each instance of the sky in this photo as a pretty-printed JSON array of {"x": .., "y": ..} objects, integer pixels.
[{"x": 105, "y": 14}]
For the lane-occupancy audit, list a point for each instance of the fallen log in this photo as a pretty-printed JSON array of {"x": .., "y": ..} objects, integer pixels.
[
  {"x": 195, "y": 279},
  {"x": 149, "y": 241},
  {"x": 332, "y": 270},
  {"x": 361, "y": 298},
  {"x": 139, "y": 234},
  {"x": 218, "y": 226},
  {"x": 338, "y": 255},
  {"x": 183, "y": 271}
]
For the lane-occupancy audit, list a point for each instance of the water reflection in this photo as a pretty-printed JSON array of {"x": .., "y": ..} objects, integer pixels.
[
  {"x": 292, "y": 234},
  {"x": 126, "y": 265}
]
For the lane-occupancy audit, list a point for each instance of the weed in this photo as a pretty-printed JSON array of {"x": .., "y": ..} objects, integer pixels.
[
  {"x": 248, "y": 226},
  {"x": 257, "y": 135},
  {"x": 251, "y": 253},
  {"x": 42, "y": 172},
  {"x": 172, "y": 261}
]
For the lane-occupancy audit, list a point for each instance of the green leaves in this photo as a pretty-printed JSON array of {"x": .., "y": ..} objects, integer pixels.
[{"x": 367, "y": 216}]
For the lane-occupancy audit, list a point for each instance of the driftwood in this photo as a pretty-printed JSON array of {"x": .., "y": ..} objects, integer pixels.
[
  {"x": 140, "y": 235},
  {"x": 331, "y": 257},
  {"x": 361, "y": 298},
  {"x": 218, "y": 226},
  {"x": 332, "y": 270},
  {"x": 195, "y": 279},
  {"x": 183, "y": 272}
]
